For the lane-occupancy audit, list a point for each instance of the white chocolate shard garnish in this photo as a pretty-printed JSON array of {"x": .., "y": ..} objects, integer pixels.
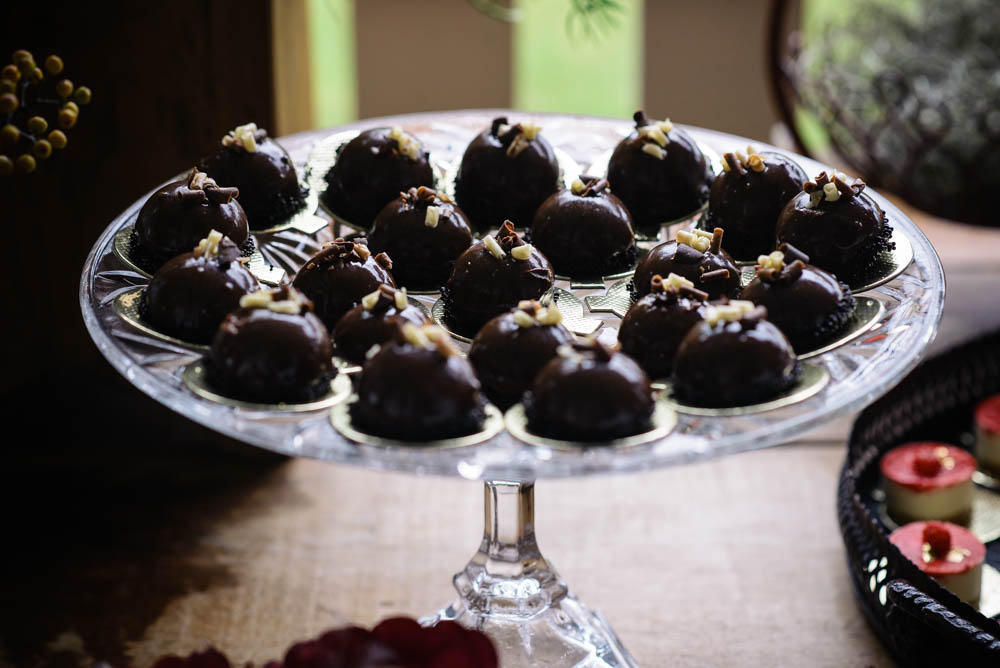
[
  {"x": 494, "y": 248},
  {"x": 291, "y": 305},
  {"x": 521, "y": 252},
  {"x": 370, "y": 300},
  {"x": 755, "y": 161},
  {"x": 776, "y": 261},
  {"x": 675, "y": 282},
  {"x": 814, "y": 198},
  {"x": 432, "y": 216},
  {"x": 530, "y": 130},
  {"x": 578, "y": 186},
  {"x": 209, "y": 246},
  {"x": 725, "y": 165},
  {"x": 730, "y": 312},
  {"x": 362, "y": 251},
  {"x": 415, "y": 335},
  {"x": 549, "y": 316},
  {"x": 654, "y": 133},
  {"x": 407, "y": 145},
  {"x": 696, "y": 241},
  {"x": 665, "y": 125},
  {"x": 243, "y": 136},
  {"x": 522, "y": 319},
  {"x": 525, "y": 304},
  {"x": 831, "y": 192},
  {"x": 655, "y": 151},
  {"x": 400, "y": 299}
]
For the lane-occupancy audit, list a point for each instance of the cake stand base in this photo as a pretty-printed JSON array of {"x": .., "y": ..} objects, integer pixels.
[{"x": 512, "y": 594}]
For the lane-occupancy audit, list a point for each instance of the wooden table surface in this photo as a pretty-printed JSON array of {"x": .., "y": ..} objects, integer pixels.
[{"x": 124, "y": 552}]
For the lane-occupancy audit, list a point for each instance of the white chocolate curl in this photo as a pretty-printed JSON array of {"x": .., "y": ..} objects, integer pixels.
[
  {"x": 209, "y": 246},
  {"x": 408, "y": 146},
  {"x": 675, "y": 282},
  {"x": 655, "y": 151},
  {"x": 243, "y": 136},
  {"x": 432, "y": 216},
  {"x": 730, "y": 312},
  {"x": 776, "y": 261},
  {"x": 578, "y": 186},
  {"x": 699, "y": 239},
  {"x": 370, "y": 300},
  {"x": 400, "y": 299},
  {"x": 494, "y": 248},
  {"x": 521, "y": 252},
  {"x": 265, "y": 299}
]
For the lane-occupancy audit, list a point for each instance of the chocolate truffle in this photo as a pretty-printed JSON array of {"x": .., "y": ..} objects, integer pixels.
[
  {"x": 734, "y": 357},
  {"x": 374, "y": 321},
  {"x": 180, "y": 214},
  {"x": 248, "y": 159},
  {"x": 659, "y": 172},
  {"x": 506, "y": 173},
  {"x": 372, "y": 169},
  {"x": 589, "y": 392},
  {"x": 493, "y": 276},
  {"x": 747, "y": 198},
  {"x": 697, "y": 256},
  {"x": 585, "y": 231},
  {"x": 655, "y": 325},
  {"x": 417, "y": 387},
  {"x": 337, "y": 277},
  {"x": 272, "y": 349},
  {"x": 424, "y": 233},
  {"x": 805, "y": 302},
  {"x": 838, "y": 225},
  {"x": 191, "y": 294},
  {"x": 510, "y": 350}
]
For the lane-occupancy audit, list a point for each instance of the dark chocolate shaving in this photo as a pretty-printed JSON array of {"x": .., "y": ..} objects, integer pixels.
[
  {"x": 689, "y": 291},
  {"x": 508, "y": 137},
  {"x": 716, "y": 241},
  {"x": 792, "y": 253},
  {"x": 792, "y": 271},
  {"x": 756, "y": 315},
  {"x": 338, "y": 252},
  {"x": 593, "y": 186},
  {"x": 497, "y": 122},
  {"x": 422, "y": 195},
  {"x": 656, "y": 284},
  {"x": 190, "y": 197},
  {"x": 383, "y": 261},
  {"x": 735, "y": 163},
  {"x": 715, "y": 275},
  {"x": 640, "y": 118},
  {"x": 228, "y": 252},
  {"x": 218, "y": 195},
  {"x": 507, "y": 238}
]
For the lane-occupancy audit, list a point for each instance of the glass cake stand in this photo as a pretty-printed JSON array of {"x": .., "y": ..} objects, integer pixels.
[{"x": 508, "y": 589}]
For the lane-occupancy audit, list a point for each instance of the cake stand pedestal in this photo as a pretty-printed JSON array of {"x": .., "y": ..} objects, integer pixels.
[
  {"x": 508, "y": 589},
  {"x": 512, "y": 593}
]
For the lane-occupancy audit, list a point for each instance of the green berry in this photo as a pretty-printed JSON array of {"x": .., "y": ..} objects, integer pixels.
[
  {"x": 10, "y": 73},
  {"x": 42, "y": 149},
  {"x": 67, "y": 118},
  {"x": 64, "y": 88},
  {"x": 6, "y": 166},
  {"x": 37, "y": 125},
  {"x": 58, "y": 139},
  {"x": 9, "y": 134},
  {"x": 25, "y": 164},
  {"x": 8, "y": 103},
  {"x": 53, "y": 64},
  {"x": 82, "y": 95}
]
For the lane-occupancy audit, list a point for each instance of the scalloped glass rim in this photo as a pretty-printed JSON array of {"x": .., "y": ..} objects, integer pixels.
[{"x": 860, "y": 372}]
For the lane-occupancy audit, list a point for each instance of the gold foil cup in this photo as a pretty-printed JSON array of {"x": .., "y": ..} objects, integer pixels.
[
  {"x": 127, "y": 308},
  {"x": 867, "y": 312},
  {"x": 663, "y": 421},
  {"x": 340, "y": 418},
  {"x": 812, "y": 378},
  {"x": 194, "y": 378},
  {"x": 890, "y": 264}
]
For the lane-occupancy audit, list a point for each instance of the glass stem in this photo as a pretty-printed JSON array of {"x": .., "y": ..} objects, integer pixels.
[{"x": 509, "y": 575}]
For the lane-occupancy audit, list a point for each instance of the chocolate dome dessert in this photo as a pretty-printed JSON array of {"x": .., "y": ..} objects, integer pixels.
[
  {"x": 374, "y": 321},
  {"x": 805, "y": 302},
  {"x": 585, "y": 231},
  {"x": 417, "y": 387},
  {"x": 506, "y": 173},
  {"x": 697, "y": 256},
  {"x": 248, "y": 159},
  {"x": 190, "y": 295},
  {"x": 180, "y": 214},
  {"x": 838, "y": 225},
  {"x": 654, "y": 326},
  {"x": 337, "y": 277},
  {"x": 273, "y": 349},
  {"x": 747, "y": 197},
  {"x": 588, "y": 392},
  {"x": 659, "y": 172},
  {"x": 510, "y": 350},
  {"x": 374, "y": 168},
  {"x": 493, "y": 276},
  {"x": 734, "y": 357},
  {"x": 424, "y": 233}
]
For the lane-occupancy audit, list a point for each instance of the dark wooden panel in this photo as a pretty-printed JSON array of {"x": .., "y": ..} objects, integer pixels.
[{"x": 168, "y": 79}]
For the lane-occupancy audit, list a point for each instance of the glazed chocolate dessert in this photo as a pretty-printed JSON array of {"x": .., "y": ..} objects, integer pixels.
[
  {"x": 417, "y": 387},
  {"x": 374, "y": 321},
  {"x": 748, "y": 196},
  {"x": 838, "y": 225},
  {"x": 337, "y": 277},
  {"x": 654, "y": 326},
  {"x": 697, "y": 256},
  {"x": 506, "y": 173},
  {"x": 273, "y": 349},
  {"x": 585, "y": 231},
  {"x": 589, "y": 392},
  {"x": 424, "y": 233},
  {"x": 180, "y": 214},
  {"x": 659, "y": 173},
  {"x": 805, "y": 302},
  {"x": 734, "y": 357},
  {"x": 190, "y": 295},
  {"x": 493, "y": 276},
  {"x": 248, "y": 159},
  {"x": 510, "y": 350},
  {"x": 372, "y": 169}
]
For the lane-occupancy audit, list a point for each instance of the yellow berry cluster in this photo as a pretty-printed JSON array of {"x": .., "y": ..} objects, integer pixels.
[{"x": 27, "y": 92}]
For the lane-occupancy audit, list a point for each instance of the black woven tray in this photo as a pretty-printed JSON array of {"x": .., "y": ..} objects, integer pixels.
[{"x": 919, "y": 621}]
